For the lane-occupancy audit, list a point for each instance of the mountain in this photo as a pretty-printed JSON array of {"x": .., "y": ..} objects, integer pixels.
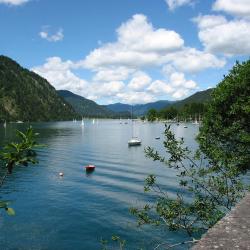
[
  {"x": 118, "y": 107},
  {"x": 26, "y": 96},
  {"x": 138, "y": 109},
  {"x": 199, "y": 97},
  {"x": 142, "y": 109},
  {"x": 89, "y": 108}
]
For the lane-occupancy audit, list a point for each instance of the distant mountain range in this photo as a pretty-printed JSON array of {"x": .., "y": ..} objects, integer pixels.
[
  {"x": 26, "y": 96},
  {"x": 142, "y": 109},
  {"x": 138, "y": 109}
]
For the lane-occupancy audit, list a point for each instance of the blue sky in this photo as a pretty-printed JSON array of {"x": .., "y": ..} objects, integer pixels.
[{"x": 131, "y": 51}]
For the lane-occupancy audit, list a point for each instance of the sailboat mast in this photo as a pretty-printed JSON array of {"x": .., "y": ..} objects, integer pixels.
[{"x": 132, "y": 127}]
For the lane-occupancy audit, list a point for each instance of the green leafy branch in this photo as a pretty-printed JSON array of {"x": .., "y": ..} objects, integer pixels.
[
  {"x": 214, "y": 189},
  {"x": 20, "y": 153}
]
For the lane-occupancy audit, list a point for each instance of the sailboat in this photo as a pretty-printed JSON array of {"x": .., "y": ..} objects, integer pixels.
[
  {"x": 196, "y": 121},
  {"x": 82, "y": 124},
  {"x": 5, "y": 124},
  {"x": 134, "y": 141}
]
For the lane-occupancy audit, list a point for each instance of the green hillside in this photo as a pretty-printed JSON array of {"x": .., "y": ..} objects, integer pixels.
[
  {"x": 26, "y": 96},
  {"x": 88, "y": 108},
  {"x": 199, "y": 97}
]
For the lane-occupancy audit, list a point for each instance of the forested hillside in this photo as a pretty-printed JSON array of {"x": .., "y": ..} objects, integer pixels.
[{"x": 26, "y": 96}]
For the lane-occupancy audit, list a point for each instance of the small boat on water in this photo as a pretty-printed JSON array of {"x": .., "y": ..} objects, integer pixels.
[
  {"x": 90, "y": 168},
  {"x": 157, "y": 138},
  {"x": 134, "y": 142},
  {"x": 82, "y": 124}
]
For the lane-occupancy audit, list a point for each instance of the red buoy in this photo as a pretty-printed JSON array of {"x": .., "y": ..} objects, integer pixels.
[{"x": 90, "y": 167}]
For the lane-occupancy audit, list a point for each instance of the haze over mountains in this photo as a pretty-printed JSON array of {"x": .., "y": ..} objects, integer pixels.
[{"x": 26, "y": 96}]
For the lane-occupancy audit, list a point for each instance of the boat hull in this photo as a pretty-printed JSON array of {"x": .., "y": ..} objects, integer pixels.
[
  {"x": 134, "y": 142},
  {"x": 89, "y": 168}
]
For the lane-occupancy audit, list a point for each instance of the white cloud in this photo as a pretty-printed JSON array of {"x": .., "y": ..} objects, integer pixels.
[
  {"x": 59, "y": 74},
  {"x": 192, "y": 60},
  {"x": 135, "y": 97},
  {"x": 209, "y": 21},
  {"x": 160, "y": 88},
  {"x": 55, "y": 37},
  {"x": 120, "y": 68},
  {"x": 139, "y": 81},
  {"x": 240, "y": 8},
  {"x": 112, "y": 74},
  {"x": 219, "y": 35},
  {"x": 106, "y": 89},
  {"x": 177, "y": 79},
  {"x": 138, "y": 44},
  {"x": 138, "y": 34},
  {"x": 14, "y": 2},
  {"x": 173, "y": 4},
  {"x": 177, "y": 86},
  {"x": 180, "y": 93}
]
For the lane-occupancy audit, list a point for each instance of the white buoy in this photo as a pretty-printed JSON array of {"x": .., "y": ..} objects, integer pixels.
[{"x": 61, "y": 174}]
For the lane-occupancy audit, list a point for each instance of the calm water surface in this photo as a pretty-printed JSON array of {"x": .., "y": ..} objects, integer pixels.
[{"x": 76, "y": 211}]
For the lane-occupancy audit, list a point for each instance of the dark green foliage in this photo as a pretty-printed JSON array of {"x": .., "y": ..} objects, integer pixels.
[
  {"x": 152, "y": 115},
  {"x": 26, "y": 96},
  {"x": 225, "y": 133},
  {"x": 168, "y": 113},
  {"x": 14, "y": 154},
  {"x": 188, "y": 112},
  {"x": 21, "y": 152}
]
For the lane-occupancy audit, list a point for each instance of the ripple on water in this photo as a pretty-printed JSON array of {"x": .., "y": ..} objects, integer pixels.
[{"x": 76, "y": 210}]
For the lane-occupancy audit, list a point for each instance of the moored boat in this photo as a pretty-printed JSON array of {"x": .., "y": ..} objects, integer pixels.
[
  {"x": 90, "y": 167},
  {"x": 134, "y": 142}
]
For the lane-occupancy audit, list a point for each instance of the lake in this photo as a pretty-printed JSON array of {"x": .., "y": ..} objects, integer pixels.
[{"x": 77, "y": 210}]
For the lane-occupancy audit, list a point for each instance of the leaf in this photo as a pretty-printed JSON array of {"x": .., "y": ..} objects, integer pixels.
[{"x": 10, "y": 211}]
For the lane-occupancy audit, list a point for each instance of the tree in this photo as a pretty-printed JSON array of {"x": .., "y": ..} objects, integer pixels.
[
  {"x": 213, "y": 174},
  {"x": 214, "y": 189},
  {"x": 152, "y": 115},
  {"x": 15, "y": 154},
  {"x": 225, "y": 132},
  {"x": 169, "y": 113}
]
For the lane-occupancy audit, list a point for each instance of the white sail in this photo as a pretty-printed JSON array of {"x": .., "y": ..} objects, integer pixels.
[{"x": 134, "y": 141}]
